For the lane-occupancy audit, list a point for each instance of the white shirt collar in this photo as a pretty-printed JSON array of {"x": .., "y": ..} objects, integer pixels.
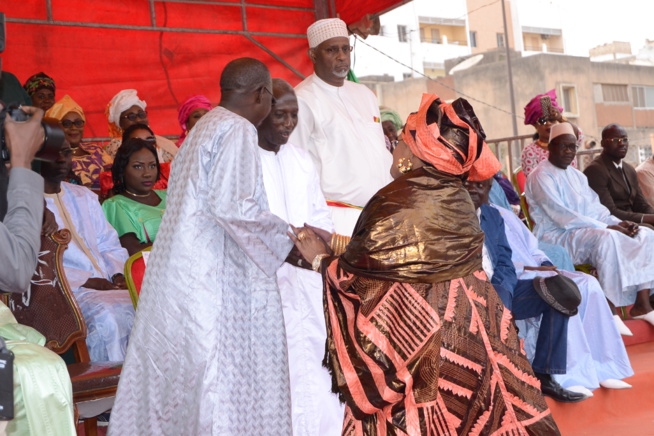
[{"x": 618, "y": 165}]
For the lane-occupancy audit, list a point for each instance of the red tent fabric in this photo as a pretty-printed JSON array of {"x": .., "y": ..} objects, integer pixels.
[{"x": 166, "y": 49}]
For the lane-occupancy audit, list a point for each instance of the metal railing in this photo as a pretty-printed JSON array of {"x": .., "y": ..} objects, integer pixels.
[
  {"x": 440, "y": 42},
  {"x": 508, "y": 151}
]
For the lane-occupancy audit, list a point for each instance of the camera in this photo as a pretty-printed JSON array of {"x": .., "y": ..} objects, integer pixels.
[{"x": 53, "y": 137}]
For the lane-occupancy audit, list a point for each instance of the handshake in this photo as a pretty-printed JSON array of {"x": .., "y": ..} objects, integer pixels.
[{"x": 312, "y": 245}]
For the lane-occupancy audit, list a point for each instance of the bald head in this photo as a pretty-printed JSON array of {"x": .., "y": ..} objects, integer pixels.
[
  {"x": 615, "y": 142},
  {"x": 281, "y": 87},
  {"x": 610, "y": 130},
  {"x": 275, "y": 130},
  {"x": 245, "y": 89},
  {"x": 244, "y": 75}
]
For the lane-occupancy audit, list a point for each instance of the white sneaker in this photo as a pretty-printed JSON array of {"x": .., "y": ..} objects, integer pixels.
[
  {"x": 622, "y": 327},
  {"x": 580, "y": 390},
  {"x": 611, "y": 383}
]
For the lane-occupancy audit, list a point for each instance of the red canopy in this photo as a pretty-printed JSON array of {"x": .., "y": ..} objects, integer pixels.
[{"x": 166, "y": 49}]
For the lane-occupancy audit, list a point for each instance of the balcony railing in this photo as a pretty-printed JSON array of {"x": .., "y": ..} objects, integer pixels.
[
  {"x": 438, "y": 41},
  {"x": 540, "y": 48}
]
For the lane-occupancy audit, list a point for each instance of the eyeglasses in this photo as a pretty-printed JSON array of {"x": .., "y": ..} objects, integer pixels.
[
  {"x": 571, "y": 146},
  {"x": 333, "y": 50},
  {"x": 142, "y": 115},
  {"x": 544, "y": 120},
  {"x": 274, "y": 100},
  {"x": 67, "y": 124},
  {"x": 620, "y": 141}
]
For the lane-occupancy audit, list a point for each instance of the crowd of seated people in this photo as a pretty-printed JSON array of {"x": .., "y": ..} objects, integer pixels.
[
  {"x": 111, "y": 197},
  {"x": 106, "y": 231}
]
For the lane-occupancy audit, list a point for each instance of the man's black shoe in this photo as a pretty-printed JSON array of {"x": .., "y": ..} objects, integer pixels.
[{"x": 553, "y": 389}]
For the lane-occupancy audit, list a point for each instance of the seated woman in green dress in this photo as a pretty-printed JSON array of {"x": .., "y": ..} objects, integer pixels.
[{"x": 136, "y": 209}]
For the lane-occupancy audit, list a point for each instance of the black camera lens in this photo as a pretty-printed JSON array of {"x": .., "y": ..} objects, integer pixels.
[{"x": 53, "y": 135}]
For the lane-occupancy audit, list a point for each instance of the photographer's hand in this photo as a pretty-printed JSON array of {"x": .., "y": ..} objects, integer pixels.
[{"x": 24, "y": 138}]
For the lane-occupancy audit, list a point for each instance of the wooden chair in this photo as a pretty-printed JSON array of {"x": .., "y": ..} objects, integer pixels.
[
  {"x": 519, "y": 180},
  {"x": 50, "y": 307},
  {"x": 134, "y": 273}
]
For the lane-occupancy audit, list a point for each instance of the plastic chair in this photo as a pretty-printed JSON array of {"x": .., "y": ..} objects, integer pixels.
[
  {"x": 53, "y": 311},
  {"x": 134, "y": 273}
]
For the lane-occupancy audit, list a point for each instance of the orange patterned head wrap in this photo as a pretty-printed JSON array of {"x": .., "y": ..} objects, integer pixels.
[
  {"x": 453, "y": 141},
  {"x": 59, "y": 110}
]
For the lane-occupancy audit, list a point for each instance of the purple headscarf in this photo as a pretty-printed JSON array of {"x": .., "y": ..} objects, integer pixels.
[
  {"x": 185, "y": 109},
  {"x": 542, "y": 105}
]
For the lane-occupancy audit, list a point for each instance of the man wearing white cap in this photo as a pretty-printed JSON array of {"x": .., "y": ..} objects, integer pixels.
[
  {"x": 568, "y": 212},
  {"x": 339, "y": 125}
]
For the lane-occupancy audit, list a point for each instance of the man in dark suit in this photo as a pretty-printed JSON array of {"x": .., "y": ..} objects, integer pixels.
[
  {"x": 616, "y": 182},
  {"x": 521, "y": 298}
]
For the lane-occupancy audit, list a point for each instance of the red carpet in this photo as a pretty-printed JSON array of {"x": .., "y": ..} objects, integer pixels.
[{"x": 628, "y": 412}]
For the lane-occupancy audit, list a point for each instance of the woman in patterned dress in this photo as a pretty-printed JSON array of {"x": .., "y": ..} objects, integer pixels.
[
  {"x": 41, "y": 89},
  {"x": 89, "y": 158},
  {"x": 419, "y": 342}
]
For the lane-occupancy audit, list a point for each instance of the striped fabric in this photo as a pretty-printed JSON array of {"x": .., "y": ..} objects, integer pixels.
[{"x": 429, "y": 359}]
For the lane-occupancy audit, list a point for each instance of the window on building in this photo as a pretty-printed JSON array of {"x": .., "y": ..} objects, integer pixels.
[
  {"x": 614, "y": 93},
  {"x": 643, "y": 97},
  {"x": 436, "y": 36},
  {"x": 569, "y": 100},
  {"x": 500, "y": 39},
  {"x": 402, "y": 34},
  {"x": 473, "y": 39},
  {"x": 406, "y": 76}
]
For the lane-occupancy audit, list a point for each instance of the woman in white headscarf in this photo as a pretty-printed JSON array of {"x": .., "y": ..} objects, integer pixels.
[{"x": 126, "y": 109}]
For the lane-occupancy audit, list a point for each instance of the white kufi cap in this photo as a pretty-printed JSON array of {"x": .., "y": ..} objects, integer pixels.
[
  {"x": 322, "y": 30},
  {"x": 561, "y": 129}
]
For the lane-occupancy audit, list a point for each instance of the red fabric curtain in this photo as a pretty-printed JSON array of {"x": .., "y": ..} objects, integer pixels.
[{"x": 95, "y": 48}]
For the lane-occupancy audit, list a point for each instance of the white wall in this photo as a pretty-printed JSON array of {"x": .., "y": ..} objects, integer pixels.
[{"x": 368, "y": 62}]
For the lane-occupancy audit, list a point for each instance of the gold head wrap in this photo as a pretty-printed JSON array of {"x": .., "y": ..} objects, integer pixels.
[{"x": 59, "y": 110}]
